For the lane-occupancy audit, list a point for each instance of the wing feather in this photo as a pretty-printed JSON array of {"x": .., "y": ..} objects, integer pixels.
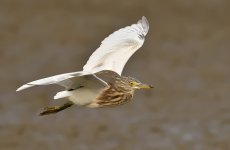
[
  {"x": 67, "y": 80},
  {"x": 117, "y": 48},
  {"x": 112, "y": 55}
]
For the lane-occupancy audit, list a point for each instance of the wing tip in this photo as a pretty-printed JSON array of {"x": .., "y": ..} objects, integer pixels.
[
  {"x": 144, "y": 23},
  {"x": 24, "y": 87}
]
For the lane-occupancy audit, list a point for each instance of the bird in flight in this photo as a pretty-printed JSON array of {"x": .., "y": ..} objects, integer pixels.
[{"x": 100, "y": 83}]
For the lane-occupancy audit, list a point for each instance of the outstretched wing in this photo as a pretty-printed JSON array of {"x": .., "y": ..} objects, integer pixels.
[
  {"x": 116, "y": 49},
  {"x": 112, "y": 55},
  {"x": 68, "y": 80}
]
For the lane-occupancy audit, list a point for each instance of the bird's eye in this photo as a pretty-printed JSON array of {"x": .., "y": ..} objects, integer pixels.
[{"x": 132, "y": 83}]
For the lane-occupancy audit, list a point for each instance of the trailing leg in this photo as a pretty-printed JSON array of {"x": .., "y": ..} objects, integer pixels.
[{"x": 55, "y": 109}]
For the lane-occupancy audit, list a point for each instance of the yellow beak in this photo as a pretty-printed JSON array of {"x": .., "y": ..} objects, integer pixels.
[{"x": 144, "y": 86}]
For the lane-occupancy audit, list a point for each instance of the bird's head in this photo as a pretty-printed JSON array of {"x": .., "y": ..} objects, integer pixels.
[
  {"x": 135, "y": 84},
  {"x": 132, "y": 84}
]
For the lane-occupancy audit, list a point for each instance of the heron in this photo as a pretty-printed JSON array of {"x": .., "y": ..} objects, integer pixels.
[{"x": 100, "y": 83}]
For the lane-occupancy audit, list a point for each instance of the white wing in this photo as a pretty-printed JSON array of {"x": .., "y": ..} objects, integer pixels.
[
  {"x": 112, "y": 55},
  {"x": 116, "y": 49},
  {"x": 67, "y": 80}
]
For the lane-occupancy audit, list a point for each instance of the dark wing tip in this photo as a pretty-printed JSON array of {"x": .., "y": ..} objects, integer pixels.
[{"x": 145, "y": 24}]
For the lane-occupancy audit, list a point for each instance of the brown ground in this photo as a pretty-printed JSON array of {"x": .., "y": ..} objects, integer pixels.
[{"x": 188, "y": 57}]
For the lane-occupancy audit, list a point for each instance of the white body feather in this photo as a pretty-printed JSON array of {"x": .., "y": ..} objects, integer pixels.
[{"x": 62, "y": 94}]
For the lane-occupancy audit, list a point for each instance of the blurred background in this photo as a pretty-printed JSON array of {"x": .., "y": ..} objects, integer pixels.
[{"x": 185, "y": 56}]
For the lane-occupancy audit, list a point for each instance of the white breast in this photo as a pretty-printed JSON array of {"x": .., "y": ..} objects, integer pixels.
[{"x": 85, "y": 95}]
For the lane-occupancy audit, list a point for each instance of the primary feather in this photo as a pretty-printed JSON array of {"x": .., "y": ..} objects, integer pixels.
[
  {"x": 117, "y": 48},
  {"x": 67, "y": 80}
]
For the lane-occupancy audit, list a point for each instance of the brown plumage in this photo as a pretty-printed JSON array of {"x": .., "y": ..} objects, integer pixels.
[
  {"x": 112, "y": 96},
  {"x": 119, "y": 91}
]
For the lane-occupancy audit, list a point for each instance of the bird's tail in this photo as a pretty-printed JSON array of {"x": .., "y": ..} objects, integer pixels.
[{"x": 62, "y": 94}]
